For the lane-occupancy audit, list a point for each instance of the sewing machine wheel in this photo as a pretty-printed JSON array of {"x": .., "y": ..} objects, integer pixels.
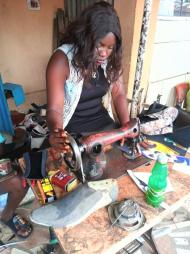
[{"x": 73, "y": 157}]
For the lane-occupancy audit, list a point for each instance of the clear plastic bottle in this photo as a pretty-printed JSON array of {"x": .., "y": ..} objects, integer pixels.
[
  {"x": 158, "y": 181},
  {"x": 94, "y": 165}
]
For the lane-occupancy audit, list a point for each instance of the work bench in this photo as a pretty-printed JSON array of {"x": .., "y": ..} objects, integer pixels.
[{"x": 96, "y": 235}]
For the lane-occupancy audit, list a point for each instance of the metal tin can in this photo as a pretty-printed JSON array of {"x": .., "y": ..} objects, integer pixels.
[{"x": 5, "y": 167}]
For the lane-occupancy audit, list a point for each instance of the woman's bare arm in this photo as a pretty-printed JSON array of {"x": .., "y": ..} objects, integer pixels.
[
  {"x": 120, "y": 101},
  {"x": 56, "y": 74}
]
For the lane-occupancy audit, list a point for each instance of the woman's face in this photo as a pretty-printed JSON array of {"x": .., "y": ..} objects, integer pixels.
[{"x": 104, "y": 48}]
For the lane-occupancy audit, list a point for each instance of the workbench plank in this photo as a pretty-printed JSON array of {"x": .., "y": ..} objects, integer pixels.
[{"x": 95, "y": 235}]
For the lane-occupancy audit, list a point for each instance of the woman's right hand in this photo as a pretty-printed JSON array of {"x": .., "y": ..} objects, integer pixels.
[{"x": 58, "y": 139}]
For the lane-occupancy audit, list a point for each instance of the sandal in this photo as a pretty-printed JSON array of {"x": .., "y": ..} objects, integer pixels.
[{"x": 19, "y": 226}]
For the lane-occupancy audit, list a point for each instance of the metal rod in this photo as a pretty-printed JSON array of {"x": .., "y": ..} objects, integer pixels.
[{"x": 140, "y": 57}]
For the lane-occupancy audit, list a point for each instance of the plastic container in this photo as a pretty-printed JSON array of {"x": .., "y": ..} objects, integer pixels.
[
  {"x": 94, "y": 165},
  {"x": 158, "y": 181}
]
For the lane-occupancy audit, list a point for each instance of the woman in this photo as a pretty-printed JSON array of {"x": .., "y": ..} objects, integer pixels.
[{"x": 84, "y": 71}]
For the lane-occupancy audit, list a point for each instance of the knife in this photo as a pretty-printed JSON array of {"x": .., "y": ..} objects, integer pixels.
[
  {"x": 140, "y": 184},
  {"x": 143, "y": 186}
]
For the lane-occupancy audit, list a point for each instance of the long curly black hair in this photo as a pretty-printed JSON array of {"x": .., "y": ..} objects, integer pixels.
[{"x": 94, "y": 23}]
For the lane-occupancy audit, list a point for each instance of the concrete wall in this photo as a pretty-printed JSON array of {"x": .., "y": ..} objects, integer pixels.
[
  {"x": 131, "y": 13},
  {"x": 26, "y": 43},
  {"x": 170, "y": 61}
]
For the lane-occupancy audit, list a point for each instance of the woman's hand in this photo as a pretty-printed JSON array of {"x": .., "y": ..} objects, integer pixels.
[{"x": 58, "y": 139}]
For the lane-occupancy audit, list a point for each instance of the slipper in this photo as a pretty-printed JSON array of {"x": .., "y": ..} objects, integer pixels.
[{"x": 19, "y": 226}]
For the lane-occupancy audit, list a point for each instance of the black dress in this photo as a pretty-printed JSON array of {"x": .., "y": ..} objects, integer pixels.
[{"x": 90, "y": 115}]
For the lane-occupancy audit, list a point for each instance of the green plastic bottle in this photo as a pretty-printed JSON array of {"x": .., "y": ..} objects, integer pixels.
[{"x": 157, "y": 181}]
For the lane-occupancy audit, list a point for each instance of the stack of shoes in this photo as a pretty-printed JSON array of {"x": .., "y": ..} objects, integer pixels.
[
  {"x": 31, "y": 132},
  {"x": 35, "y": 124}
]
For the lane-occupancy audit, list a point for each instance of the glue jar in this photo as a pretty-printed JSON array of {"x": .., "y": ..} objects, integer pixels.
[{"x": 94, "y": 165}]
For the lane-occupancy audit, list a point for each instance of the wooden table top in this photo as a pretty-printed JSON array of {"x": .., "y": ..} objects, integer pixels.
[{"x": 95, "y": 235}]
